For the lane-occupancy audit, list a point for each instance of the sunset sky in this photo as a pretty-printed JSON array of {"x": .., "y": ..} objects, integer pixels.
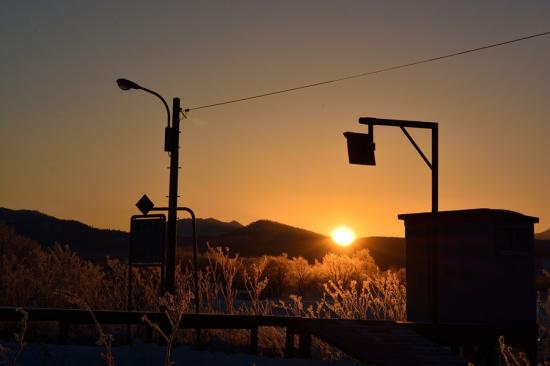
[{"x": 75, "y": 146}]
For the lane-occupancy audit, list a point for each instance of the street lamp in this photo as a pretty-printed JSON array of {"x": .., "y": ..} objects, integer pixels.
[
  {"x": 361, "y": 146},
  {"x": 125, "y": 84},
  {"x": 361, "y": 151},
  {"x": 171, "y": 145}
]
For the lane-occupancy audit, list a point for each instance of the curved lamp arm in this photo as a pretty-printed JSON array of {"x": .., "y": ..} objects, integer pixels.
[{"x": 125, "y": 84}]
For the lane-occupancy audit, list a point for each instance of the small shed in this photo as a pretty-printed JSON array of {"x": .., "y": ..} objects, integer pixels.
[{"x": 473, "y": 266}]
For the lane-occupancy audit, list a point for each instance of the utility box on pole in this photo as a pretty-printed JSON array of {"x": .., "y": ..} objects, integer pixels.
[{"x": 470, "y": 267}]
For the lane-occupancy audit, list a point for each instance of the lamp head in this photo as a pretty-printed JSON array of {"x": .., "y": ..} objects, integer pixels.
[
  {"x": 360, "y": 148},
  {"x": 125, "y": 84}
]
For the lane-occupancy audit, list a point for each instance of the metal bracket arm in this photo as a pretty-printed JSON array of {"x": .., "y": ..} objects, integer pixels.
[
  {"x": 162, "y": 99},
  {"x": 416, "y": 146}
]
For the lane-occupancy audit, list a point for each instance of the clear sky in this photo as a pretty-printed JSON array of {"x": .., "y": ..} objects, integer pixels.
[{"x": 74, "y": 146}]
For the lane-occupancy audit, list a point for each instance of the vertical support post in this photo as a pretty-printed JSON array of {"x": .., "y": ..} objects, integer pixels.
[
  {"x": 63, "y": 331},
  {"x": 129, "y": 302},
  {"x": 196, "y": 276},
  {"x": 130, "y": 264},
  {"x": 435, "y": 233},
  {"x": 435, "y": 168},
  {"x": 195, "y": 263},
  {"x": 530, "y": 342},
  {"x": 173, "y": 200},
  {"x": 371, "y": 131},
  {"x": 148, "y": 334},
  {"x": 254, "y": 340},
  {"x": 304, "y": 344},
  {"x": 289, "y": 343}
]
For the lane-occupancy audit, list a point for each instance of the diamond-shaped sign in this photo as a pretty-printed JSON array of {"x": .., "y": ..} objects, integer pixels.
[{"x": 145, "y": 204}]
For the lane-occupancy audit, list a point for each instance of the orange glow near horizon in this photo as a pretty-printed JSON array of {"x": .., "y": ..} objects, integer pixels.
[{"x": 343, "y": 236}]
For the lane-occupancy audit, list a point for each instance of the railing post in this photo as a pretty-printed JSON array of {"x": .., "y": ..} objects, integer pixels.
[
  {"x": 289, "y": 343},
  {"x": 254, "y": 340},
  {"x": 63, "y": 331},
  {"x": 304, "y": 345},
  {"x": 148, "y": 334}
]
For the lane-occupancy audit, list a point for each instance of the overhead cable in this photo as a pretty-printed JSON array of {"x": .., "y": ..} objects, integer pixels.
[{"x": 368, "y": 73}]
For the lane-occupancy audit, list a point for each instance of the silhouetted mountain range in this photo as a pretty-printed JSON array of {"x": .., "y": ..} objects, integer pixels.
[
  {"x": 545, "y": 235},
  {"x": 89, "y": 242},
  {"x": 258, "y": 238},
  {"x": 207, "y": 228},
  {"x": 273, "y": 238}
]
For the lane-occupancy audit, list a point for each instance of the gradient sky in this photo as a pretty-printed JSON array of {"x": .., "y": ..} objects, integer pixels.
[{"x": 74, "y": 146}]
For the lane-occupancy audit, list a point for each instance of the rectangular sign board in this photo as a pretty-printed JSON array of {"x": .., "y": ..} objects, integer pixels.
[{"x": 147, "y": 234}]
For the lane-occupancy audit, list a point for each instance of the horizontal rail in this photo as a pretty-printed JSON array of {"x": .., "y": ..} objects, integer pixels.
[
  {"x": 79, "y": 316},
  {"x": 225, "y": 321},
  {"x": 190, "y": 320},
  {"x": 396, "y": 123}
]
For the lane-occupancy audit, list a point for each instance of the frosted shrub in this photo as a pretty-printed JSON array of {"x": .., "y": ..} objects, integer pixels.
[
  {"x": 278, "y": 272},
  {"x": 209, "y": 291},
  {"x": 301, "y": 275},
  {"x": 255, "y": 282},
  {"x": 294, "y": 307},
  {"x": 219, "y": 277},
  {"x": 511, "y": 357},
  {"x": 342, "y": 267},
  {"x": 32, "y": 280},
  {"x": 380, "y": 296},
  {"x": 175, "y": 307},
  {"x": 115, "y": 285}
]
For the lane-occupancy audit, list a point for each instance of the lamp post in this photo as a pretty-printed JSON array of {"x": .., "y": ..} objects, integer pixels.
[
  {"x": 361, "y": 151},
  {"x": 171, "y": 145},
  {"x": 361, "y": 146}
]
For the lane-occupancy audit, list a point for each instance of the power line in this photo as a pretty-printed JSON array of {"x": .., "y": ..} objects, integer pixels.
[{"x": 364, "y": 74}]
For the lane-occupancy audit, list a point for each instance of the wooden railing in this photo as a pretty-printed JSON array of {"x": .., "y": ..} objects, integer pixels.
[
  {"x": 370, "y": 341},
  {"x": 295, "y": 326}
]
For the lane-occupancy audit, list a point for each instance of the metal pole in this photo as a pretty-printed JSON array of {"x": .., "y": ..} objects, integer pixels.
[
  {"x": 435, "y": 233},
  {"x": 130, "y": 263},
  {"x": 195, "y": 263},
  {"x": 195, "y": 272},
  {"x": 435, "y": 168},
  {"x": 171, "y": 235}
]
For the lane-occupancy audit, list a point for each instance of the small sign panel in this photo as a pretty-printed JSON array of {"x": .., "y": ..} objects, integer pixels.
[
  {"x": 145, "y": 204},
  {"x": 147, "y": 239}
]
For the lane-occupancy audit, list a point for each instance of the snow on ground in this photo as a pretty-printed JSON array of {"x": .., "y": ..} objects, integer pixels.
[{"x": 150, "y": 355}]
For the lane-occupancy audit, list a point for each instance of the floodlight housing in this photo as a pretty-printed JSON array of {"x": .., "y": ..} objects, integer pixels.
[
  {"x": 125, "y": 84},
  {"x": 360, "y": 148}
]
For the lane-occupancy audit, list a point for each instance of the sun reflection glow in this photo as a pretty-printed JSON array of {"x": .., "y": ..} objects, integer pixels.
[{"x": 343, "y": 236}]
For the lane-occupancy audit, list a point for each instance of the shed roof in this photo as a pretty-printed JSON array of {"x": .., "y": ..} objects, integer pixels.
[{"x": 469, "y": 215}]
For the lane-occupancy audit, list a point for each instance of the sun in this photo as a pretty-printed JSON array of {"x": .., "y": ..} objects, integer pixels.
[{"x": 343, "y": 236}]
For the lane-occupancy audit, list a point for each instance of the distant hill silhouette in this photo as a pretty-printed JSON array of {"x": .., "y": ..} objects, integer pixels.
[
  {"x": 206, "y": 228},
  {"x": 273, "y": 238},
  {"x": 545, "y": 235},
  {"x": 258, "y": 238},
  {"x": 89, "y": 242}
]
